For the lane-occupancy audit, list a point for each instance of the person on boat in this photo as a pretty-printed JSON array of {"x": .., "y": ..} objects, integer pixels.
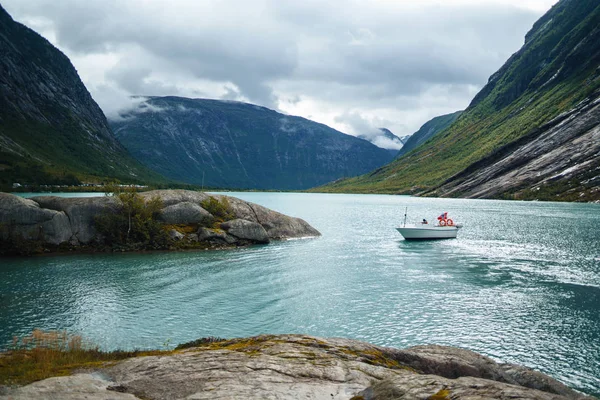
[{"x": 424, "y": 221}]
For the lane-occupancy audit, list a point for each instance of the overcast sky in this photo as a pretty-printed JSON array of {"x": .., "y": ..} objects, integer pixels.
[{"x": 353, "y": 65}]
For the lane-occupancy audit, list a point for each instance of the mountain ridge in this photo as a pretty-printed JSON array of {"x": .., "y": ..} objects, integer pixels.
[
  {"x": 51, "y": 126},
  {"x": 555, "y": 70},
  {"x": 240, "y": 145}
]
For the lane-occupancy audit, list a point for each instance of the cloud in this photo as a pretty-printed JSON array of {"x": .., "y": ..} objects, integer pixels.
[
  {"x": 368, "y": 128},
  {"x": 116, "y": 101},
  {"x": 326, "y": 60},
  {"x": 357, "y": 124},
  {"x": 386, "y": 143}
]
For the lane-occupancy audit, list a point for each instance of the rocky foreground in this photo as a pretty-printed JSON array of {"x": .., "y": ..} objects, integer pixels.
[
  {"x": 71, "y": 222},
  {"x": 301, "y": 367}
]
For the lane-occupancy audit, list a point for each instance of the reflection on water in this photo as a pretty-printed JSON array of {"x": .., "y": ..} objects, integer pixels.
[{"x": 521, "y": 284}]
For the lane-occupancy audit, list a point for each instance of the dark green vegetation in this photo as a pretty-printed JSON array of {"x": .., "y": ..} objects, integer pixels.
[
  {"x": 556, "y": 69},
  {"x": 133, "y": 224},
  {"x": 427, "y": 131},
  {"x": 51, "y": 130},
  {"x": 239, "y": 145}
]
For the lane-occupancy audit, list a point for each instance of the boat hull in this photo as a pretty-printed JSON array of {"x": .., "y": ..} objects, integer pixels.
[{"x": 428, "y": 233}]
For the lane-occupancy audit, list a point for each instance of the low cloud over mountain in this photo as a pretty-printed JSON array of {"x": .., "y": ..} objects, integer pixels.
[{"x": 403, "y": 62}]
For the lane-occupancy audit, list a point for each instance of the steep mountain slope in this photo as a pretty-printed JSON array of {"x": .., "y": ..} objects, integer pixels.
[
  {"x": 555, "y": 72},
  {"x": 239, "y": 145},
  {"x": 558, "y": 161},
  {"x": 50, "y": 127},
  {"x": 428, "y": 130}
]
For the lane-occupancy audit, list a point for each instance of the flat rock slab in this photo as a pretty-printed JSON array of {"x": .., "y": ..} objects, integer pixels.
[
  {"x": 75, "y": 387},
  {"x": 304, "y": 367}
]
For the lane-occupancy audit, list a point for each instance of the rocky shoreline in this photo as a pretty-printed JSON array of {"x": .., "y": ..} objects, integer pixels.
[
  {"x": 54, "y": 224},
  {"x": 299, "y": 366}
]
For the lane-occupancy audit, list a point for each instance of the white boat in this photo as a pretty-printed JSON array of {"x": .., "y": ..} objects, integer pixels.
[
  {"x": 428, "y": 232},
  {"x": 444, "y": 229}
]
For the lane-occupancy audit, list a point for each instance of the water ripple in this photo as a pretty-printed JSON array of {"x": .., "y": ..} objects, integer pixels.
[{"x": 523, "y": 286}]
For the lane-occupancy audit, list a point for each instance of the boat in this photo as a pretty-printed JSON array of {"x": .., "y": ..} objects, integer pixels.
[
  {"x": 444, "y": 229},
  {"x": 420, "y": 232}
]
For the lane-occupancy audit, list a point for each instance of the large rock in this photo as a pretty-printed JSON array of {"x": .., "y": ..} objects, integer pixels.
[
  {"x": 404, "y": 386},
  {"x": 77, "y": 387},
  {"x": 453, "y": 363},
  {"x": 54, "y": 220},
  {"x": 304, "y": 367},
  {"x": 207, "y": 234},
  {"x": 175, "y": 235},
  {"x": 171, "y": 197},
  {"x": 24, "y": 219},
  {"x": 247, "y": 230},
  {"x": 277, "y": 225},
  {"x": 185, "y": 212},
  {"x": 80, "y": 211}
]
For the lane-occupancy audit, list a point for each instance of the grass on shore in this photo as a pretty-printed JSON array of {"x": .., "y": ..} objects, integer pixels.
[{"x": 44, "y": 354}]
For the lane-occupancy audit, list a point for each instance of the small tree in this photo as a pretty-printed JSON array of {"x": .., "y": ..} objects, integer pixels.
[{"x": 134, "y": 222}]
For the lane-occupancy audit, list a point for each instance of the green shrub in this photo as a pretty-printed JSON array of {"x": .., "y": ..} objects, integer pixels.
[
  {"x": 199, "y": 342},
  {"x": 134, "y": 223},
  {"x": 220, "y": 209}
]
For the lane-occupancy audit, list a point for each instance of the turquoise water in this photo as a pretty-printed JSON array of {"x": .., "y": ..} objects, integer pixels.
[{"x": 521, "y": 283}]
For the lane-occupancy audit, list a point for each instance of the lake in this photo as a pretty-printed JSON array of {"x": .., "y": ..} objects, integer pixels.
[{"x": 521, "y": 284}]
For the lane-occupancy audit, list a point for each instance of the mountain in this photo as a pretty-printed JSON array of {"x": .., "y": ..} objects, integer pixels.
[
  {"x": 385, "y": 139},
  {"x": 389, "y": 135},
  {"x": 50, "y": 127},
  {"x": 397, "y": 139},
  {"x": 239, "y": 145},
  {"x": 530, "y": 133},
  {"x": 427, "y": 131}
]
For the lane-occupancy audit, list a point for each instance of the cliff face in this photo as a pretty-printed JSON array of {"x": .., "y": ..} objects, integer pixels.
[
  {"x": 557, "y": 71},
  {"x": 558, "y": 161},
  {"x": 298, "y": 366},
  {"x": 48, "y": 119},
  {"x": 238, "y": 145}
]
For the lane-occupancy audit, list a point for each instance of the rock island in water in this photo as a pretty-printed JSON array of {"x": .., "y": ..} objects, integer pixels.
[{"x": 154, "y": 220}]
